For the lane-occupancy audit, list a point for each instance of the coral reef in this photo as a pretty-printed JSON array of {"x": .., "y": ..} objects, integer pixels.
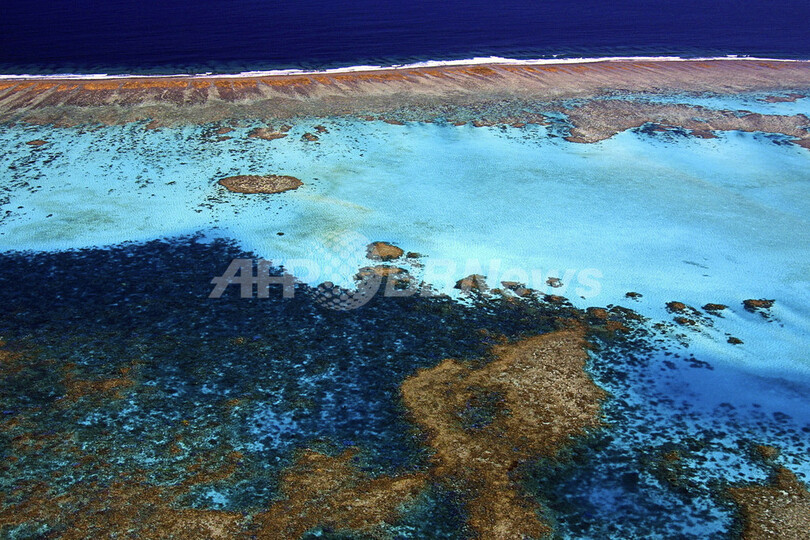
[
  {"x": 473, "y": 282},
  {"x": 324, "y": 491},
  {"x": 535, "y": 396},
  {"x": 383, "y": 251},
  {"x": 381, "y": 94},
  {"x": 598, "y": 120},
  {"x": 758, "y": 305},
  {"x": 271, "y": 183},
  {"x": 266, "y": 133},
  {"x": 780, "y": 509}
]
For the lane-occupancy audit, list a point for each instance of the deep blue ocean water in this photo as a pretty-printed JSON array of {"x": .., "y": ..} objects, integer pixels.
[{"x": 83, "y": 36}]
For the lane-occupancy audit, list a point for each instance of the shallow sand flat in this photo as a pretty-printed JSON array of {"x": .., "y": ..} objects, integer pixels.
[{"x": 178, "y": 100}]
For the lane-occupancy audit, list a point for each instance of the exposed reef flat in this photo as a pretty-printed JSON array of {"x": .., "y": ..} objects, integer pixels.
[
  {"x": 601, "y": 119},
  {"x": 173, "y": 101}
]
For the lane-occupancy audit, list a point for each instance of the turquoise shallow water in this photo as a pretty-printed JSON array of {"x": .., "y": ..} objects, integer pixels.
[{"x": 673, "y": 218}]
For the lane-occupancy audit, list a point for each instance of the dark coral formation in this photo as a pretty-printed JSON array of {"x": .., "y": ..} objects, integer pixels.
[{"x": 271, "y": 183}]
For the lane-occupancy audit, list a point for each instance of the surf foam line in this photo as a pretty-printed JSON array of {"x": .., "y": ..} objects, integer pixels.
[{"x": 416, "y": 65}]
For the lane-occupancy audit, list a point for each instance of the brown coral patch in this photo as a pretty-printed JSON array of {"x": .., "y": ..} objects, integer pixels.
[
  {"x": 778, "y": 510},
  {"x": 754, "y": 305},
  {"x": 271, "y": 183},
  {"x": 109, "y": 388},
  {"x": 767, "y": 452},
  {"x": 266, "y": 133},
  {"x": 10, "y": 362},
  {"x": 330, "y": 492},
  {"x": 537, "y": 397},
  {"x": 127, "y": 506},
  {"x": 381, "y": 270},
  {"x": 676, "y": 307},
  {"x": 601, "y": 119},
  {"x": 383, "y": 251},
  {"x": 783, "y": 99},
  {"x": 473, "y": 282}
]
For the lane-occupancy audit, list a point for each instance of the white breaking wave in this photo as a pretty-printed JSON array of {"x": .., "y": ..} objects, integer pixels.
[{"x": 424, "y": 64}]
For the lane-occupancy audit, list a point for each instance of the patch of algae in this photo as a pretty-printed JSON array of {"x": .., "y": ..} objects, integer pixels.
[{"x": 544, "y": 398}]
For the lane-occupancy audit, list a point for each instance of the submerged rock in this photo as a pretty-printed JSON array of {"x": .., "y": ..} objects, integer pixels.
[
  {"x": 714, "y": 308},
  {"x": 518, "y": 288},
  {"x": 381, "y": 270},
  {"x": 266, "y": 134},
  {"x": 759, "y": 305},
  {"x": 473, "y": 282},
  {"x": 383, "y": 251},
  {"x": 597, "y": 313},
  {"x": 676, "y": 307},
  {"x": 270, "y": 183},
  {"x": 311, "y": 137}
]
